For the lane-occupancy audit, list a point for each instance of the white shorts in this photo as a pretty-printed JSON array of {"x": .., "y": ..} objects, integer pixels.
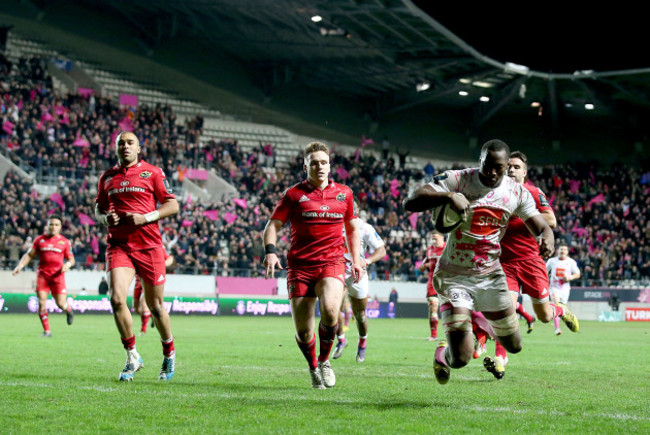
[
  {"x": 562, "y": 294},
  {"x": 358, "y": 290},
  {"x": 480, "y": 293}
]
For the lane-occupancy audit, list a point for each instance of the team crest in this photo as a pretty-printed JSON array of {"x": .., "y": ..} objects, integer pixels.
[
  {"x": 340, "y": 197},
  {"x": 60, "y": 242},
  {"x": 145, "y": 174}
]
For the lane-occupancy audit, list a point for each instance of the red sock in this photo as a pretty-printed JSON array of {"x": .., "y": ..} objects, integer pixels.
[
  {"x": 326, "y": 335},
  {"x": 145, "y": 321},
  {"x": 129, "y": 343},
  {"x": 559, "y": 311},
  {"x": 362, "y": 342},
  {"x": 44, "y": 321},
  {"x": 500, "y": 351},
  {"x": 309, "y": 351},
  {"x": 168, "y": 346},
  {"x": 433, "y": 323},
  {"x": 521, "y": 311}
]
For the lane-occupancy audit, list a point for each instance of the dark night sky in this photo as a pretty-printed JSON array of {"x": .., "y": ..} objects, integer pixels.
[{"x": 548, "y": 40}]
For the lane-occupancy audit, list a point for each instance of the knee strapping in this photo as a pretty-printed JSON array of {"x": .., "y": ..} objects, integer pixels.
[
  {"x": 506, "y": 326},
  {"x": 457, "y": 322}
]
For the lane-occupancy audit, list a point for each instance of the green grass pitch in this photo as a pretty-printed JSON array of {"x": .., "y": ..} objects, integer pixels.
[{"x": 246, "y": 375}]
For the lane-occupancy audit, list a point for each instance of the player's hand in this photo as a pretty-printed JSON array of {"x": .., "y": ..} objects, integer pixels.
[
  {"x": 546, "y": 247},
  {"x": 66, "y": 266},
  {"x": 459, "y": 203},
  {"x": 270, "y": 262},
  {"x": 135, "y": 219},
  {"x": 423, "y": 267},
  {"x": 16, "y": 271},
  {"x": 364, "y": 263},
  {"x": 357, "y": 272},
  {"x": 112, "y": 218}
]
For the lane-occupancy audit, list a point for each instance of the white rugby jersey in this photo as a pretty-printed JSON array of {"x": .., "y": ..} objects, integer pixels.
[
  {"x": 558, "y": 269},
  {"x": 474, "y": 248},
  {"x": 370, "y": 241}
]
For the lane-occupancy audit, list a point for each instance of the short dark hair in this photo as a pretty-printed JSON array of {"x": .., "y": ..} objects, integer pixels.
[
  {"x": 519, "y": 155},
  {"x": 55, "y": 216},
  {"x": 316, "y": 146},
  {"x": 562, "y": 244},
  {"x": 495, "y": 145}
]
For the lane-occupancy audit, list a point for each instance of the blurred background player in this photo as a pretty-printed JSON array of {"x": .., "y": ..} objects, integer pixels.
[
  {"x": 317, "y": 210},
  {"x": 434, "y": 251},
  {"x": 523, "y": 265},
  {"x": 469, "y": 274},
  {"x": 562, "y": 270},
  {"x": 127, "y": 197},
  {"x": 358, "y": 291},
  {"x": 52, "y": 249},
  {"x": 140, "y": 304}
]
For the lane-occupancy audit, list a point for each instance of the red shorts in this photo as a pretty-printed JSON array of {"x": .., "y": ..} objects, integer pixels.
[
  {"x": 149, "y": 264},
  {"x": 528, "y": 275},
  {"x": 302, "y": 282},
  {"x": 138, "y": 289},
  {"x": 56, "y": 284}
]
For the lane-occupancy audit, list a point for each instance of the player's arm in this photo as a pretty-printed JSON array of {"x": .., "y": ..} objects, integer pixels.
[
  {"x": 106, "y": 217},
  {"x": 68, "y": 264},
  {"x": 24, "y": 261},
  {"x": 549, "y": 217},
  {"x": 574, "y": 275},
  {"x": 353, "y": 236},
  {"x": 168, "y": 208},
  {"x": 426, "y": 197},
  {"x": 170, "y": 262},
  {"x": 379, "y": 253},
  {"x": 424, "y": 265},
  {"x": 271, "y": 260},
  {"x": 539, "y": 228}
]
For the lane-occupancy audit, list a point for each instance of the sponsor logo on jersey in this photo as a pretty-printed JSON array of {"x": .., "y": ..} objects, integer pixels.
[
  {"x": 560, "y": 272},
  {"x": 303, "y": 199},
  {"x": 340, "y": 197},
  {"x": 486, "y": 221},
  {"x": 124, "y": 183},
  {"x": 145, "y": 174},
  {"x": 324, "y": 207},
  {"x": 61, "y": 242}
]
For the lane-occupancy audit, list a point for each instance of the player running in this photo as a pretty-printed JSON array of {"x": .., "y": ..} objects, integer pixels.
[
  {"x": 51, "y": 249},
  {"x": 433, "y": 254},
  {"x": 317, "y": 210},
  {"x": 525, "y": 269},
  {"x": 468, "y": 273},
  {"x": 358, "y": 291},
  {"x": 562, "y": 270},
  {"x": 127, "y": 197}
]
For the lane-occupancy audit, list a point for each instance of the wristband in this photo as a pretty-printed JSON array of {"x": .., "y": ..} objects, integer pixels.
[
  {"x": 152, "y": 216},
  {"x": 270, "y": 248},
  {"x": 103, "y": 219}
]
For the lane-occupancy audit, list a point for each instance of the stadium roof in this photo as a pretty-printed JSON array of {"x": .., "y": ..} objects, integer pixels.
[{"x": 389, "y": 57}]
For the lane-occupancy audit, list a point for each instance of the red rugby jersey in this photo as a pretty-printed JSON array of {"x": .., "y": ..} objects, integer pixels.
[
  {"x": 51, "y": 252},
  {"x": 316, "y": 217},
  {"x": 518, "y": 243},
  {"x": 137, "y": 189}
]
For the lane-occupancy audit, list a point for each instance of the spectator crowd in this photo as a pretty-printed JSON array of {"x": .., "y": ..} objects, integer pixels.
[{"x": 68, "y": 140}]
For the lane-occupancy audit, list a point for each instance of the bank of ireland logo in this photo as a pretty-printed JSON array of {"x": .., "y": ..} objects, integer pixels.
[
  {"x": 240, "y": 308},
  {"x": 124, "y": 183}
]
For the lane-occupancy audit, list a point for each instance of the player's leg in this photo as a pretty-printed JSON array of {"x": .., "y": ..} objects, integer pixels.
[
  {"x": 329, "y": 290},
  {"x": 482, "y": 331},
  {"x": 432, "y": 302},
  {"x": 519, "y": 309},
  {"x": 555, "y": 296},
  {"x": 154, "y": 297},
  {"x": 119, "y": 279},
  {"x": 61, "y": 299},
  {"x": 457, "y": 350},
  {"x": 41, "y": 294},
  {"x": 342, "y": 342},
  {"x": 359, "y": 311},
  {"x": 140, "y": 305},
  {"x": 517, "y": 278},
  {"x": 303, "y": 314}
]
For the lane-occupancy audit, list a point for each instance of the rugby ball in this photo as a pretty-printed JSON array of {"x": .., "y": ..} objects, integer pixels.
[{"x": 446, "y": 219}]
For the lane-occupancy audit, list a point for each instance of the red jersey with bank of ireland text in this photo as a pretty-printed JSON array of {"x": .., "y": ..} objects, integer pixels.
[
  {"x": 51, "y": 252},
  {"x": 317, "y": 218},
  {"x": 136, "y": 189},
  {"x": 518, "y": 243}
]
